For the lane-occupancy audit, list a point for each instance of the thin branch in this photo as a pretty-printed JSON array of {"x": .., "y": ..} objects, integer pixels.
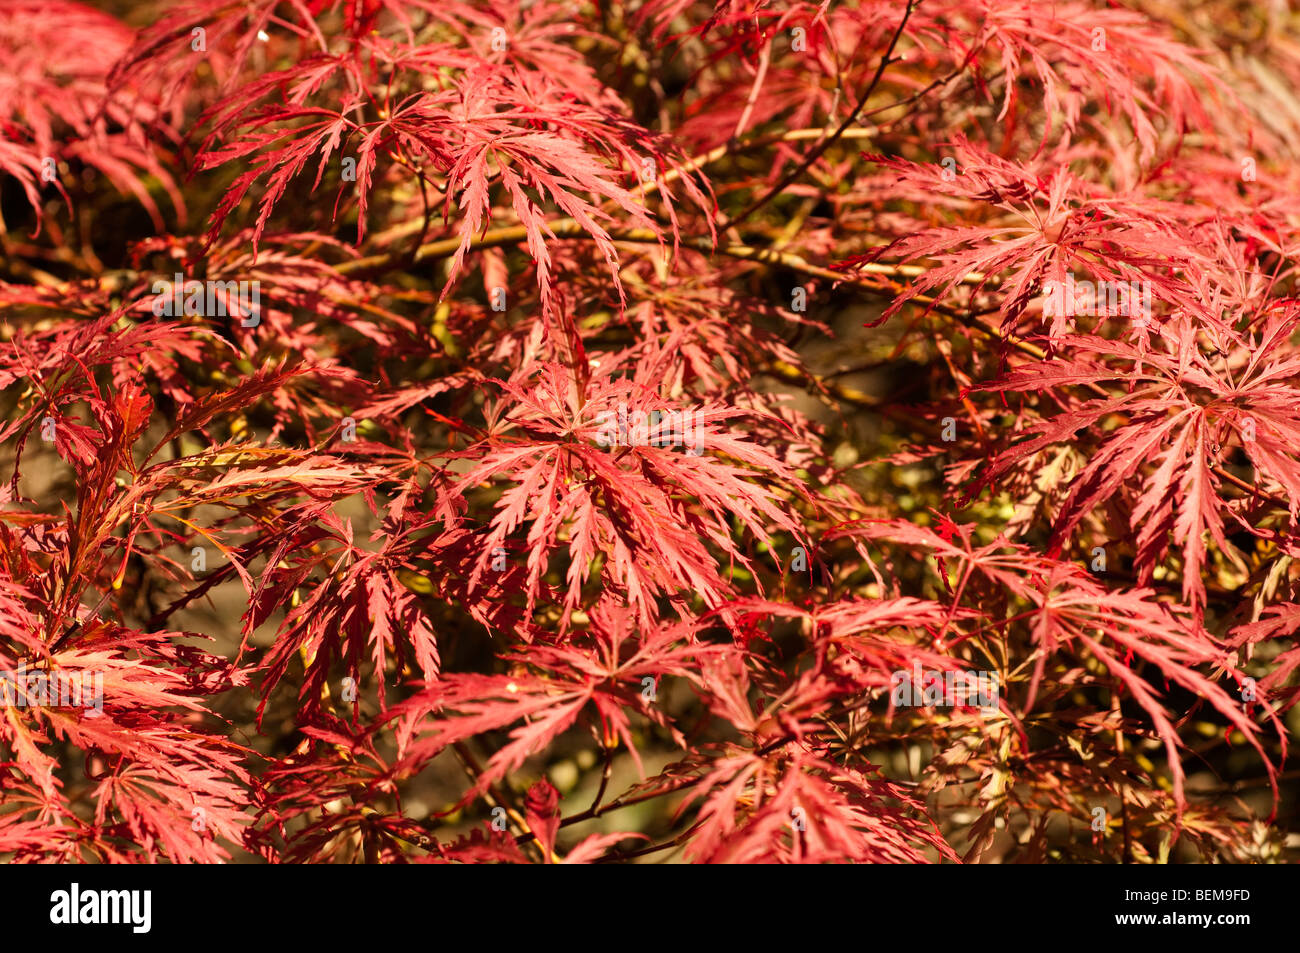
[
  {"x": 625, "y": 801},
  {"x": 830, "y": 140}
]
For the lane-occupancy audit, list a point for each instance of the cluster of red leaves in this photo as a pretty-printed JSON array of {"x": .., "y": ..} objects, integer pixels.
[{"x": 482, "y": 232}]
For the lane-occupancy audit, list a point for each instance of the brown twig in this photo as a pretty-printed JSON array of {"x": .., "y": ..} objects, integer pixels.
[{"x": 830, "y": 140}]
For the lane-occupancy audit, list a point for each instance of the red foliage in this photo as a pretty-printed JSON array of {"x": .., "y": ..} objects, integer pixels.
[{"x": 491, "y": 396}]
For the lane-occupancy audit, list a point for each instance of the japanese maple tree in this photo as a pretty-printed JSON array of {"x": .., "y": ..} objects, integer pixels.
[{"x": 528, "y": 431}]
